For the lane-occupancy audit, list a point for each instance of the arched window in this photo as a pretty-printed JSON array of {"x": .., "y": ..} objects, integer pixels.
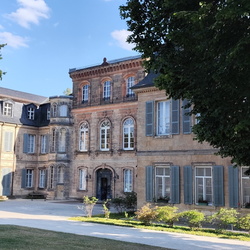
[
  {"x": 105, "y": 137},
  {"x": 85, "y": 93},
  {"x": 84, "y": 137},
  {"x": 107, "y": 90},
  {"x": 128, "y": 134},
  {"x": 130, "y": 83},
  {"x": 63, "y": 110},
  {"x": 62, "y": 140}
]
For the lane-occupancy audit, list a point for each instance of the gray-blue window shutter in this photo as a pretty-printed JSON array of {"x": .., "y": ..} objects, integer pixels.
[
  {"x": 186, "y": 119},
  {"x": 46, "y": 178},
  {"x": 218, "y": 186},
  {"x": 175, "y": 184},
  {"x": 6, "y": 182},
  {"x": 149, "y": 183},
  {"x": 233, "y": 186},
  {"x": 175, "y": 117},
  {"x": 150, "y": 118},
  {"x": 188, "y": 185},
  {"x": 23, "y": 181},
  {"x": 25, "y": 143}
]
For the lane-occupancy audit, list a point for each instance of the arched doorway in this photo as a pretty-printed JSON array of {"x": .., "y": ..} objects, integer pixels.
[{"x": 103, "y": 184}]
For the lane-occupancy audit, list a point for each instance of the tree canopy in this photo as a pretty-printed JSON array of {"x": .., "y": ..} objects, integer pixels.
[
  {"x": 202, "y": 51},
  {"x": 1, "y": 72}
]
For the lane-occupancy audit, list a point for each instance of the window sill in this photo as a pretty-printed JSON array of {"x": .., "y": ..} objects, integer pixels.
[
  {"x": 97, "y": 152},
  {"x": 163, "y": 136},
  {"x": 122, "y": 151}
]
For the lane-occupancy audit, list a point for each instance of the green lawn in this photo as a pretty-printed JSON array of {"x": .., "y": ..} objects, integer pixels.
[{"x": 18, "y": 238}]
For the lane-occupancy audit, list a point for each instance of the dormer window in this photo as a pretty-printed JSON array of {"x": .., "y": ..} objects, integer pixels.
[
  {"x": 7, "y": 109},
  {"x": 31, "y": 113}
]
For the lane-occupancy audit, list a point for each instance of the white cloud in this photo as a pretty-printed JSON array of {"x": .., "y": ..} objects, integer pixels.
[
  {"x": 121, "y": 39},
  {"x": 30, "y": 12},
  {"x": 13, "y": 40}
]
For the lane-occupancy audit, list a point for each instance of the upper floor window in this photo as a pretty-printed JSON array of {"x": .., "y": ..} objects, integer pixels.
[
  {"x": 7, "y": 109},
  {"x": 53, "y": 142},
  {"x": 106, "y": 90},
  {"x": 130, "y": 83},
  {"x": 62, "y": 140},
  {"x": 163, "y": 118},
  {"x": 8, "y": 141},
  {"x": 105, "y": 137},
  {"x": 128, "y": 134},
  {"x": 44, "y": 144},
  {"x": 84, "y": 137},
  {"x": 31, "y": 113},
  {"x": 54, "y": 110},
  {"x": 29, "y": 143},
  {"x": 63, "y": 110},
  {"x": 85, "y": 93},
  {"x": 48, "y": 114}
]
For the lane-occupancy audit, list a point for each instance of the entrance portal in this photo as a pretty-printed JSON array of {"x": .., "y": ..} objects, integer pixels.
[{"x": 103, "y": 181}]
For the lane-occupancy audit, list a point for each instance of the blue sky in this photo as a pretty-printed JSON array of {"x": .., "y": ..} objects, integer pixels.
[{"x": 45, "y": 38}]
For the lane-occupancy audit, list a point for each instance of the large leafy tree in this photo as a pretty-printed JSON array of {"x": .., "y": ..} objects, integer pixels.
[
  {"x": 1, "y": 72},
  {"x": 202, "y": 51}
]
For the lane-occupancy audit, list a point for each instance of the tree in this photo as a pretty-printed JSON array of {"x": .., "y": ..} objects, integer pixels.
[
  {"x": 1, "y": 72},
  {"x": 67, "y": 91},
  {"x": 201, "y": 51}
]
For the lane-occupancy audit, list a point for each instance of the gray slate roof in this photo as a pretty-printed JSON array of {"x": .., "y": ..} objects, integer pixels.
[
  {"x": 148, "y": 81},
  {"x": 19, "y": 95}
]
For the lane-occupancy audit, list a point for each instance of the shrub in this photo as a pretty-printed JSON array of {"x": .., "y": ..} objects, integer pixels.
[
  {"x": 146, "y": 214},
  {"x": 223, "y": 218},
  {"x": 118, "y": 204},
  {"x": 168, "y": 215},
  {"x": 244, "y": 223},
  {"x": 88, "y": 205},
  {"x": 128, "y": 202},
  {"x": 106, "y": 207},
  {"x": 194, "y": 218}
]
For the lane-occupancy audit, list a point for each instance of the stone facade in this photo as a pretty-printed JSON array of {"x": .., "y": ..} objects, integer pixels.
[{"x": 108, "y": 138}]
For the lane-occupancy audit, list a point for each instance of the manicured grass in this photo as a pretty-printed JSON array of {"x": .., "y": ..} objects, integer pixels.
[
  {"x": 116, "y": 219},
  {"x": 20, "y": 238}
]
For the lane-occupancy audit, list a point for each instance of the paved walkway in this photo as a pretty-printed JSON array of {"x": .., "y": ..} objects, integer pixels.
[{"x": 51, "y": 215}]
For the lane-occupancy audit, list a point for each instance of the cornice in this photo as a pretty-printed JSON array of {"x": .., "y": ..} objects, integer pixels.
[{"x": 106, "y": 69}]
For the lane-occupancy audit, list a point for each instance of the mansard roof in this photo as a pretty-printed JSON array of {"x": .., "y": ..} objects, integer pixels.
[
  {"x": 146, "y": 82},
  {"x": 22, "y": 96}
]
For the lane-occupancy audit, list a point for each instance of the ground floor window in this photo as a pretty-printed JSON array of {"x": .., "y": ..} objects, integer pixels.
[
  {"x": 245, "y": 187},
  {"x": 162, "y": 183},
  {"x": 42, "y": 178},
  {"x": 203, "y": 185},
  {"x": 83, "y": 179},
  {"x": 128, "y": 180},
  {"x": 27, "y": 178}
]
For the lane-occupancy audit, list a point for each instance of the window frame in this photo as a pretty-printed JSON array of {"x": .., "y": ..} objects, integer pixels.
[
  {"x": 85, "y": 93},
  {"x": 84, "y": 137},
  {"x": 8, "y": 109},
  {"x": 105, "y": 135},
  {"x": 163, "y": 114},
  {"x": 127, "y": 180},
  {"x": 130, "y": 82},
  {"x": 82, "y": 181},
  {"x": 130, "y": 139},
  {"x": 51, "y": 177},
  {"x": 60, "y": 174},
  {"x": 63, "y": 110},
  {"x": 243, "y": 178},
  {"x": 29, "y": 181},
  {"x": 107, "y": 90},
  {"x": 31, "y": 113},
  {"x": 62, "y": 140},
  {"x": 42, "y": 178}
]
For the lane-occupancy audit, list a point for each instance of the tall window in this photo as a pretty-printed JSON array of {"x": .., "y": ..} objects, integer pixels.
[
  {"x": 85, "y": 93},
  {"x": 48, "y": 114},
  {"x": 106, "y": 90},
  {"x": 163, "y": 118},
  {"x": 42, "y": 176},
  {"x": 105, "y": 136},
  {"x": 29, "y": 178},
  {"x": 63, "y": 110},
  {"x": 8, "y": 109},
  {"x": 54, "y": 110},
  {"x": 62, "y": 140},
  {"x": 203, "y": 182},
  {"x": 162, "y": 183},
  {"x": 29, "y": 143},
  {"x": 31, "y": 113},
  {"x": 43, "y": 144},
  {"x": 60, "y": 174},
  {"x": 130, "y": 83},
  {"x": 245, "y": 187},
  {"x": 84, "y": 137},
  {"x": 128, "y": 180},
  {"x": 51, "y": 177},
  {"x": 128, "y": 134},
  {"x": 82, "y": 179},
  {"x": 8, "y": 141},
  {"x": 53, "y": 143}
]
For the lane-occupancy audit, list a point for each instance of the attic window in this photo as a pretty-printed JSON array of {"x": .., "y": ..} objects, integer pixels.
[
  {"x": 31, "y": 113},
  {"x": 8, "y": 109}
]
